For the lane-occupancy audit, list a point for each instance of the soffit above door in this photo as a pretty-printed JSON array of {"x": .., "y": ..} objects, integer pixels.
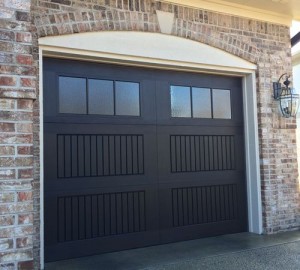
[{"x": 275, "y": 11}]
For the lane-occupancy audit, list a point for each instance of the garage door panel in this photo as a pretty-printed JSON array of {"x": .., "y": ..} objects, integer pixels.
[
  {"x": 121, "y": 175},
  {"x": 197, "y": 205},
  {"x": 213, "y": 196},
  {"x": 92, "y": 157},
  {"x": 196, "y": 153},
  {"x": 197, "y": 231},
  {"x": 68, "y": 250},
  {"x": 74, "y": 219},
  {"x": 188, "y": 153},
  {"x": 100, "y": 155},
  {"x": 121, "y": 211}
]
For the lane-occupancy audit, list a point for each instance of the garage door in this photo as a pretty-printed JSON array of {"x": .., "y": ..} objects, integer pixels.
[{"x": 137, "y": 157}]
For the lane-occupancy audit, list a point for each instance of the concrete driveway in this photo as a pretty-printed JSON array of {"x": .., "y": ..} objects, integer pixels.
[{"x": 232, "y": 252}]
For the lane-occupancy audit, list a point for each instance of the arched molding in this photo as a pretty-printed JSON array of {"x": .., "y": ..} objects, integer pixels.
[{"x": 140, "y": 47}]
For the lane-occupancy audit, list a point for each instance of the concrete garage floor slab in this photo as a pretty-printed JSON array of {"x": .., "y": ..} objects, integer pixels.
[{"x": 232, "y": 252}]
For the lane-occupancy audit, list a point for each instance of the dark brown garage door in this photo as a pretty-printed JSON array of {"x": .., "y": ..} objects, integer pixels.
[{"x": 137, "y": 157}]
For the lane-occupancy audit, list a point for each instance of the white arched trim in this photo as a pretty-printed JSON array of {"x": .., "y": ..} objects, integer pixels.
[
  {"x": 164, "y": 52},
  {"x": 140, "y": 47}
]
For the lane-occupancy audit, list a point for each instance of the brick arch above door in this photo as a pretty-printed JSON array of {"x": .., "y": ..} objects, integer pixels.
[{"x": 217, "y": 30}]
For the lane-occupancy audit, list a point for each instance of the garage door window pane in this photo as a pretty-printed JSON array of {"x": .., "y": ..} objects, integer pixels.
[
  {"x": 127, "y": 98},
  {"x": 221, "y": 104},
  {"x": 72, "y": 95},
  {"x": 180, "y": 101},
  {"x": 101, "y": 97},
  {"x": 201, "y": 102}
]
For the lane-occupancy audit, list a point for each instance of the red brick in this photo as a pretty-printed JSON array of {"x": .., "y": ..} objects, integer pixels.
[
  {"x": 8, "y": 81},
  {"x": 25, "y": 150},
  {"x": 25, "y": 219},
  {"x": 24, "y": 196},
  {"x": 28, "y": 265},
  {"x": 25, "y": 104},
  {"x": 25, "y": 173},
  {"x": 28, "y": 82},
  {"x": 24, "y": 59},
  {"x": 24, "y": 242},
  {"x": 24, "y": 37},
  {"x": 7, "y": 127}
]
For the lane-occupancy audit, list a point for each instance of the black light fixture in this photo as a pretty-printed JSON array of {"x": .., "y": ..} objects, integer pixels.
[{"x": 288, "y": 99}]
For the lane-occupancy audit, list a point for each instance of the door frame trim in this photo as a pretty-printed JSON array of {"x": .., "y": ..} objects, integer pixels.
[{"x": 248, "y": 76}]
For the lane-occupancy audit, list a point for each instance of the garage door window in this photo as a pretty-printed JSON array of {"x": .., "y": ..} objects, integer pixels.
[
  {"x": 127, "y": 98},
  {"x": 72, "y": 95},
  {"x": 221, "y": 103},
  {"x": 195, "y": 102},
  {"x": 181, "y": 101},
  {"x": 201, "y": 102},
  {"x": 101, "y": 97}
]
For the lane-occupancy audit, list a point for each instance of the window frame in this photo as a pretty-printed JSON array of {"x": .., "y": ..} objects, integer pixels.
[
  {"x": 191, "y": 103},
  {"x": 114, "y": 115}
]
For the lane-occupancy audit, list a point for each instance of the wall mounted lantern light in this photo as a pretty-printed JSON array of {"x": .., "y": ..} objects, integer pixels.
[{"x": 286, "y": 96}]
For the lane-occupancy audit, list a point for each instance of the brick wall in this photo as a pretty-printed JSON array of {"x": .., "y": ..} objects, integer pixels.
[
  {"x": 264, "y": 44},
  {"x": 17, "y": 94}
]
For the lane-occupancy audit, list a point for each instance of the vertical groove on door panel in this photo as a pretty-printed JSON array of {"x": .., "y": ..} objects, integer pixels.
[
  {"x": 97, "y": 215},
  {"x": 99, "y": 155},
  {"x": 205, "y": 204},
  {"x": 194, "y": 153}
]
